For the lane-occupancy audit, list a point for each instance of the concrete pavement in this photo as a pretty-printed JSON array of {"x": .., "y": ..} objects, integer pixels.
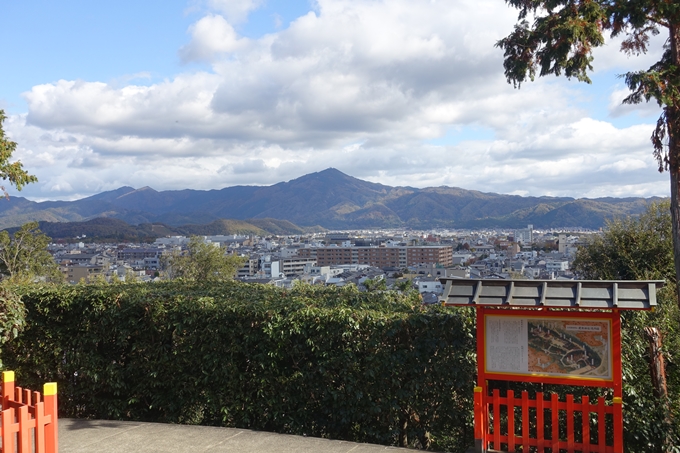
[{"x": 105, "y": 436}]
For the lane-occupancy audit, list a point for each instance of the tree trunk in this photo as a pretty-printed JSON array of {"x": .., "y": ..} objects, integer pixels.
[
  {"x": 675, "y": 216},
  {"x": 673, "y": 125},
  {"x": 657, "y": 369},
  {"x": 657, "y": 366}
]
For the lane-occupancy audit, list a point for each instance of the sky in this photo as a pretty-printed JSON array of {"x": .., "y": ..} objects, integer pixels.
[{"x": 206, "y": 94}]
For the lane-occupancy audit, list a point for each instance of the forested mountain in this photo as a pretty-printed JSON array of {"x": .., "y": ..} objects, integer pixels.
[
  {"x": 329, "y": 199},
  {"x": 107, "y": 229}
]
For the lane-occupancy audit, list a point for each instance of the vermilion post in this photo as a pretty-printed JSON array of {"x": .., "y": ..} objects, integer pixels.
[
  {"x": 540, "y": 422},
  {"x": 525, "y": 421},
  {"x": 510, "y": 399},
  {"x": 7, "y": 432},
  {"x": 479, "y": 428},
  {"x": 618, "y": 383},
  {"x": 39, "y": 425},
  {"x": 555, "y": 420},
  {"x": 618, "y": 424},
  {"x": 585, "y": 420},
  {"x": 481, "y": 410},
  {"x": 496, "y": 419},
  {"x": 601, "y": 440},
  {"x": 7, "y": 412},
  {"x": 51, "y": 429},
  {"x": 570, "y": 422},
  {"x": 7, "y": 388},
  {"x": 24, "y": 430}
]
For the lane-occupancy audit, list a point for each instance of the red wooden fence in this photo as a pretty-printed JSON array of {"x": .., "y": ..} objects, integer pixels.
[
  {"x": 533, "y": 425},
  {"x": 29, "y": 419}
]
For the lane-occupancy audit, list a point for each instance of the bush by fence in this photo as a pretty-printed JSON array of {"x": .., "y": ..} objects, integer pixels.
[{"x": 369, "y": 367}]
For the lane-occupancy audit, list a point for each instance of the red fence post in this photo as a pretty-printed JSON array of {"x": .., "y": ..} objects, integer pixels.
[
  {"x": 601, "y": 439},
  {"x": 496, "y": 419},
  {"x": 51, "y": 429},
  {"x": 7, "y": 411},
  {"x": 7, "y": 388},
  {"x": 540, "y": 422},
  {"x": 510, "y": 405},
  {"x": 39, "y": 426},
  {"x": 555, "y": 421},
  {"x": 585, "y": 420},
  {"x": 480, "y": 446},
  {"x": 570, "y": 422},
  {"x": 618, "y": 424},
  {"x": 525, "y": 421},
  {"x": 24, "y": 431},
  {"x": 7, "y": 431}
]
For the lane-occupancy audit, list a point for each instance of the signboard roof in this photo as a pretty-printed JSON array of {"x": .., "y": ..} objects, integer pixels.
[{"x": 584, "y": 294}]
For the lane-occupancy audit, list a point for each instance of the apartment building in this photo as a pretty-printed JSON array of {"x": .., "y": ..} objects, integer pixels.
[
  {"x": 138, "y": 254},
  {"x": 75, "y": 272},
  {"x": 397, "y": 257}
]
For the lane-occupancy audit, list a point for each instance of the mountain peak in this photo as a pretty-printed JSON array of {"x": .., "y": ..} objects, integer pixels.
[
  {"x": 146, "y": 190},
  {"x": 111, "y": 194},
  {"x": 330, "y": 173}
]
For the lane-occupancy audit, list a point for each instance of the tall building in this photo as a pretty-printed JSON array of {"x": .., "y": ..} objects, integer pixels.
[{"x": 525, "y": 236}]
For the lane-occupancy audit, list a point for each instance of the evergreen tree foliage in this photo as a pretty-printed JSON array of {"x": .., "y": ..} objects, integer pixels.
[
  {"x": 641, "y": 249},
  {"x": 560, "y": 40},
  {"x": 631, "y": 249}
]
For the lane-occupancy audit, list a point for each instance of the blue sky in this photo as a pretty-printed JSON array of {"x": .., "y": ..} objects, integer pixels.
[
  {"x": 109, "y": 41},
  {"x": 213, "y": 93}
]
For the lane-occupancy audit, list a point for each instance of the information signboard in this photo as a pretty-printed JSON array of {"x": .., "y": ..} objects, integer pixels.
[{"x": 564, "y": 347}]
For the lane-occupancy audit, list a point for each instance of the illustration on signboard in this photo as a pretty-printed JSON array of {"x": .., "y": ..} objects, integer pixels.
[{"x": 569, "y": 347}]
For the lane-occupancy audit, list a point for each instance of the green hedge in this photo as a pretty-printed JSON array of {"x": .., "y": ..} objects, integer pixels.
[{"x": 327, "y": 362}]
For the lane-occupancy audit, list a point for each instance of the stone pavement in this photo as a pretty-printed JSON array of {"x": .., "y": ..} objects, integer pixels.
[{"x": 104, "y": 436}]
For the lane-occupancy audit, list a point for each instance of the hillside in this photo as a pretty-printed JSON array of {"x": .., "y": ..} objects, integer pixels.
[
  {"x": 329, "y": 199},
  {"x": 106, "y": 229}
]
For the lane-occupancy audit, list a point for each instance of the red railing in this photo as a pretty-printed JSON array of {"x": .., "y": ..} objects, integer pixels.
[
  {"x": 534, "y": 424},
  {"x": 29, "y": 419}
]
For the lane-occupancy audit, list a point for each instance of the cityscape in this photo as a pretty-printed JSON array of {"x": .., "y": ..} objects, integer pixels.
[{"x": 340, "y": 258}]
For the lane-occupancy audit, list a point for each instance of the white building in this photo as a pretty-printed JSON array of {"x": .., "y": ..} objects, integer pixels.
[
  {"x": 525, "y": 236},
  {"x": 557, "y": 266},
  {"x": 171, "y": 241},
  {"x": 430, "y": 287}
]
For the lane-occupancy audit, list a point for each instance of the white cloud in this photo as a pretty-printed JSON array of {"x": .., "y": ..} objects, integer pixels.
[
  {"x": 235, "y": 10},
  {"x": 610, "y": 56},
  {"x": 618, "y": 109},
  {"x": 210, "y": 37},
  {"x": 357, "y": 85}
]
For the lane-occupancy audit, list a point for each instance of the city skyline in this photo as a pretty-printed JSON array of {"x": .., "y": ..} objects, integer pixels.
[{"x": 216, "y": 93}]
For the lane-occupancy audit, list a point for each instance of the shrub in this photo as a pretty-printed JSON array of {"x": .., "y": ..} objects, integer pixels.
[{"x": 338, "y": 363}]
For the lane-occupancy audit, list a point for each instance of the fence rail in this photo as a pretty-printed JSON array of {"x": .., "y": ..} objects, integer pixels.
[
  {"x": 29, "y": 419},
  {"x": 534, "y": 424}
]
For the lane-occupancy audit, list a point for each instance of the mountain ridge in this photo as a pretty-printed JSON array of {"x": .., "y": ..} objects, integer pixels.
[{"x": 330, "y": 199}]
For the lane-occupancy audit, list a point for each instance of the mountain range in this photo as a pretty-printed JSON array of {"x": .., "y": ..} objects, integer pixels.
[{"x": 328, "y": 199}]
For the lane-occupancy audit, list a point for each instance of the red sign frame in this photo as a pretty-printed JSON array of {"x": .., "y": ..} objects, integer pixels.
[
  {"x": 483, "y": 400},
  {"x": 613, "y": 317}
]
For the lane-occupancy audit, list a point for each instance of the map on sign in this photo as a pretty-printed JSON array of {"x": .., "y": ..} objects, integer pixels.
[{"x": 560, "y": 347}]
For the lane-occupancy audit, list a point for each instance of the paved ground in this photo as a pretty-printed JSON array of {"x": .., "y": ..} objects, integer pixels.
[{"x": 103, "y": 436}]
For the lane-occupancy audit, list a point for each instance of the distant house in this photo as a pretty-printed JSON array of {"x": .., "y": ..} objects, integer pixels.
[
  {"x": 430, "y": 286},
  {"x": 74, "y": 273}
]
